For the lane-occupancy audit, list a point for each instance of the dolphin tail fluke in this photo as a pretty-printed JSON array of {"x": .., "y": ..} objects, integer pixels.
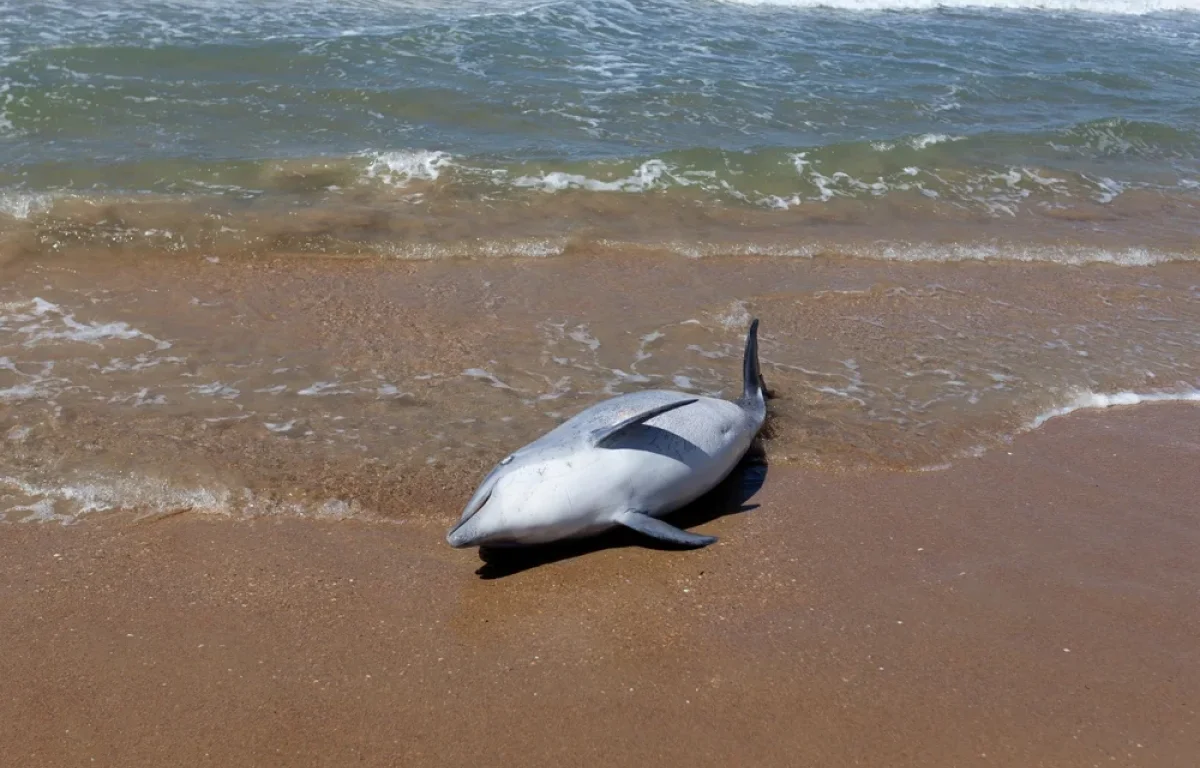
[{"x": 754, "y": 389}]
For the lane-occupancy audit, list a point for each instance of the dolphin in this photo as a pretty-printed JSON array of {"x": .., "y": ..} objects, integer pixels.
[{"x": 626, "y": 461}]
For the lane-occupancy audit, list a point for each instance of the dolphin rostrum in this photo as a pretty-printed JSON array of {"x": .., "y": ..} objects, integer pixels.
[{"x": 626, "y": 461}]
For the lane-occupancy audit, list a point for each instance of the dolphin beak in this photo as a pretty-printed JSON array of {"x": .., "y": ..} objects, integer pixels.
[
  {"x": 460, "y": 536},
  {"x": 463, "y": 533},
  {"x": 482, "y": 494}
]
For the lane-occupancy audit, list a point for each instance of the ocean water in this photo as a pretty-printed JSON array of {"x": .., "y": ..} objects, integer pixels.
[
  {"x": 1050, "y": 115},
  {"x": 336, "y": 258}
]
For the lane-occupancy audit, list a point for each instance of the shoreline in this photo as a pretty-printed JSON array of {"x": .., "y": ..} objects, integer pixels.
[
  {"x": 1033, "y": 606},
  {"x": 280, "y": 283},
  {"x": 381, "y": 388}
]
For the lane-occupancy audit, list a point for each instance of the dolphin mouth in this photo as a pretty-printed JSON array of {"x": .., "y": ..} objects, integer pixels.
[
  {"x": 481, "y": 497},
  {"x": 459, "y": 537}
]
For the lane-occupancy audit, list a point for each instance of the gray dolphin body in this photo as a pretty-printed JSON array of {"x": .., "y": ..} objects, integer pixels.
[{"x": 622, "y": 462}]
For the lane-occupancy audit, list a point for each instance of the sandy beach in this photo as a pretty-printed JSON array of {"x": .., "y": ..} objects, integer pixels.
[
  {"x": 1033, "y": 607},
  {"x": 281, "y": 281}
]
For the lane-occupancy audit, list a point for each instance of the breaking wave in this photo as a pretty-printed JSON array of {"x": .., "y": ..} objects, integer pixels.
[{"x": 1114, "y": 7}]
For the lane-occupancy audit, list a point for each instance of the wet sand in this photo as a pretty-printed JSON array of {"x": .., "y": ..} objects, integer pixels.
[{"x": 1034, "y": 607}]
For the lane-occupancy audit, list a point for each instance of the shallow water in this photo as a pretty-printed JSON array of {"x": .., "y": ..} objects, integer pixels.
[
  {"x": 303, "y": 258},
  {"x": 385, "y": 389},
  {"x": 425, "y": 129}
]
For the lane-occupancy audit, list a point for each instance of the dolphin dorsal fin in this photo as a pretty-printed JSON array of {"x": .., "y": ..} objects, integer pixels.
[
  {"x": 754, "y": 389},
  {"x": 603, "y": 435}
]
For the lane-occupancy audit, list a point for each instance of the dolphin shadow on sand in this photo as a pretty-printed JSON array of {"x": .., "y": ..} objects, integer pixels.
[{"x": 729, "y": 497}]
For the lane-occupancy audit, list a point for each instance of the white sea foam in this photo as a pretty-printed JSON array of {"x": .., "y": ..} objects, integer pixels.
[
  {"x": 1072, "y": 255},
  {"x": 324, "y": 389},
  {"x": 649, "y": 175},
  {"x": 1108, "y": 7},
  {"x": 399, "y": 168},
  {"x": 40, "y": 321},
  {"x": 953, "y": 252},
  {"x": 215, "y": 389},
  {"x": 24, "y": 500},
  {"x": 21, "y": 392},
  {"x": 36, "y": 385},
  {"x": 479, "y": 373},
  {"x": 6, "y": 99},
  {"x": 22, "y": 205},
  {"x": 104, "y": 494},
  {"x": 1089, "y": 399},
  {"x": 917, "y": 142},
  {"x": 582, "y": 335},
  {"x": 929, "y": 139},
  {"x": 532, "y": 248},
  {"x": 1109, "y": 189},
  {"x": 735, "y": 316}
]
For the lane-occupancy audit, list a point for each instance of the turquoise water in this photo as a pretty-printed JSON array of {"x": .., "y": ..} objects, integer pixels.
[{"x": 1000, "y": 111}]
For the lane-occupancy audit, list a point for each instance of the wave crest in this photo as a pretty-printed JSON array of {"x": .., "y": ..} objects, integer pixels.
[{"x": 1108, "y": 7}]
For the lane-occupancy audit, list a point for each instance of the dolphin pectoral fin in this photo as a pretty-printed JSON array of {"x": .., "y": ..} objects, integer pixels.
[
  {"x": 603, "y": 435},
  {"x": 657, "y": 529}
]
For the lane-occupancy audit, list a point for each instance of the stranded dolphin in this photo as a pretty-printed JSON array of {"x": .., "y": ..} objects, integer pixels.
[{"x": 622, "y": 462}]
